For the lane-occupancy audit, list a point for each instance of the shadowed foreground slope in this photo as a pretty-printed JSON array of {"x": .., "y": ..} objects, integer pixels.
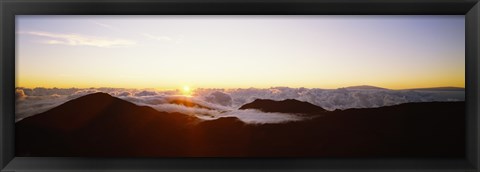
[{"x": 101, "y": 125}]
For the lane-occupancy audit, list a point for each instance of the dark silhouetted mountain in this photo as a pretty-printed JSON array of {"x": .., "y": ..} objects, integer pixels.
[
  {"x": 100, "y": 125},
  {"x": 440, "y": 89},
  {"x": 433, "y": 129},
  {"x": 284, "y": 106},
  {"x": 365, "y": 87}
]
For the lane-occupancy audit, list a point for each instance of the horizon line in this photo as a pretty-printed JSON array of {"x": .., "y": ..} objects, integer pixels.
[{"x": 227, "y": 88}]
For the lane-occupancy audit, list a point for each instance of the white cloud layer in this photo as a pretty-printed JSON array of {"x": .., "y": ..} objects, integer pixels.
[
  {"x": 341, "y": 98},
  {"x": 217, "y": 103},
  {"x": 80, "y": 40}
]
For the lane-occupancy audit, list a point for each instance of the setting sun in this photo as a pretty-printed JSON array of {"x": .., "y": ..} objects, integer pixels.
[{"x": 186, "y": 90}]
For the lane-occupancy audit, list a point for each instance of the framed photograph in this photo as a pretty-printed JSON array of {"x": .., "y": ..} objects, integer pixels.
[{"x": 240, "y": 85}]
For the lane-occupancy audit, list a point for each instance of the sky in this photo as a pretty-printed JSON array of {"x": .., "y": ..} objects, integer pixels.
[{"x": 171, "y": 52}]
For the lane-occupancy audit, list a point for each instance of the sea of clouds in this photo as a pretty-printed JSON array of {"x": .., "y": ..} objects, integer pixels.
[{"x": 217, "y": 103}]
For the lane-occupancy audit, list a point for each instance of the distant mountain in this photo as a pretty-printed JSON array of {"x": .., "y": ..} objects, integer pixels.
[
  {"x": 439, "y": 89},
  {"x": 284, "y": 106},
  {"x": 368, "y": 87},
  {"x": 365, "y": 87},
  {"x": 99, "y": 125}
]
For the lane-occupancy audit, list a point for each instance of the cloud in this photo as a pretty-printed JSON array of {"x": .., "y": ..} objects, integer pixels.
[
  {"x": 80, "y": 40},
  {"x": 82, "y": 92},
  {"x": 166, "y": 39},
  {"x": 180, "y": 39},
  {"x": 38, "y": 100},
  {"x": 40, "y": 91},
  {"x": 31, "y": 105},
  {"x": 219, "y": 98},
  {"x": 146, "y": 93},
  {"x": 105, "y": 25},
  {"x": 225, "y": 102},
  {"x": 124, "y": 94},
  {"x": 19, "y": 94},
  {"x": 253, "y": 116},
  {"x": 250, "y": 116},
  {"x": 332, "y": 99},
  {"x": 158, "y": 38}
]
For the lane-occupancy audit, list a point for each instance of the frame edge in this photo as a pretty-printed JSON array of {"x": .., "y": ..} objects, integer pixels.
[
  {"x": 472, "y": 64},
  {"x": 472, "y": 37},
  {"x": 7, "y": 66}
]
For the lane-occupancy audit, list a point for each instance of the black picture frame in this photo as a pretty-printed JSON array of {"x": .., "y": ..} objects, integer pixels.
[{"x": 10, "y": 8}]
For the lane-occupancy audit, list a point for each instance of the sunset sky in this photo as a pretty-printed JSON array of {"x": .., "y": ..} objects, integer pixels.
[{"x": 169, "y": 52}]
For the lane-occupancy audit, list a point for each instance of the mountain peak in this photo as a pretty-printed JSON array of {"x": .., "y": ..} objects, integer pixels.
[
  {"x": 366, "y": 87},
  {"x": 439, "y": 89},
  {"x": 77, "y": 112},
  {"x": 284, "y": 106},
  {"x": 97, "y": 95}
]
